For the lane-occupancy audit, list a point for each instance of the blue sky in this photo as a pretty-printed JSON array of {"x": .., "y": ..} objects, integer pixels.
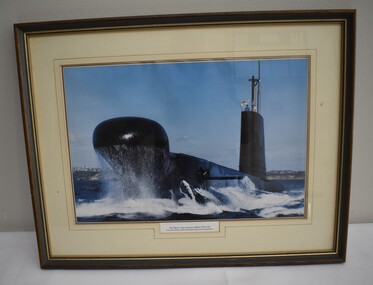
[{"x": 197, "y": 103}]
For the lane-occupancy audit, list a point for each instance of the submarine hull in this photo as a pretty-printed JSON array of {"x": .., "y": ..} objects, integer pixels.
[{"x": 137, "y": 149}]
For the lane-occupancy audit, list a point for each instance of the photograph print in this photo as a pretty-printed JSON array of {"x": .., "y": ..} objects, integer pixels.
[{"x": 196, "y": 140}]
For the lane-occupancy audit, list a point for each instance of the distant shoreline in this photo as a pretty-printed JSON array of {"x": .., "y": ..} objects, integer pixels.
[
  {"x": 95, "y": 173},
  {"x": 285, "y": 175}
]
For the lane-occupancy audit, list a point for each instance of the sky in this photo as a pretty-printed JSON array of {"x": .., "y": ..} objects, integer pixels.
[{"x": 197, "y": 103}]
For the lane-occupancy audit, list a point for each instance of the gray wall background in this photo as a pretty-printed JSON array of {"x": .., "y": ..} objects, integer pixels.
[{"x": 15, "y": 200}]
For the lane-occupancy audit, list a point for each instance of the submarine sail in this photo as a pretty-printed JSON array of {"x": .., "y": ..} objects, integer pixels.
[{"x": 252, "y": 146}]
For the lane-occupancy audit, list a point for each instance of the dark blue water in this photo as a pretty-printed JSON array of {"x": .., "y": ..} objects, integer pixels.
[{"x": 88, "y": 191}]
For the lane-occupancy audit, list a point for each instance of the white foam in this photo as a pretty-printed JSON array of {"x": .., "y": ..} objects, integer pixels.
[
  {"x": 274, "y": 212},
  {"x": 226, "y": 199}
]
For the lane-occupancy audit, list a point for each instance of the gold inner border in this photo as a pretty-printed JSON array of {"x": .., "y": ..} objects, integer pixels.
[{"x": 192, "y": 60}]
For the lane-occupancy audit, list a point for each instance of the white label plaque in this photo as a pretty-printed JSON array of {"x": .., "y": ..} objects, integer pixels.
[{"x": 195, "y": 227}]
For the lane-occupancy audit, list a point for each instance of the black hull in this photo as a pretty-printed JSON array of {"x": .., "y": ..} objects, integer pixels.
[{"x": 137, "y": 148}]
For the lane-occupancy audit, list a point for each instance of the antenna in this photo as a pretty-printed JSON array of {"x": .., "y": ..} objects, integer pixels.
[{"x": 255, "y": 98}]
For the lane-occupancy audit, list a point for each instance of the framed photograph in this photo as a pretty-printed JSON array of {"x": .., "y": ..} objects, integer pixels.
[{"x": 189, "y": 140}]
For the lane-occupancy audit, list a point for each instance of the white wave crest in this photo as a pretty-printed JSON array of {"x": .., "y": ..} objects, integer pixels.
[{"x": 211, "y": 202}]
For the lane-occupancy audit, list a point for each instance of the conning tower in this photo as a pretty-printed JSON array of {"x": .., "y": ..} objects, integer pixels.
[{"x": 252, "y": 147}]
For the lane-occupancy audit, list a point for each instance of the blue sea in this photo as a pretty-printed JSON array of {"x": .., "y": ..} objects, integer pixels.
[{"x": 106, "y": 201}]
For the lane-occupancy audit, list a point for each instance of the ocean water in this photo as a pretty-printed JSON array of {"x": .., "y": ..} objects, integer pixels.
[{"x": 106, "y": 201}]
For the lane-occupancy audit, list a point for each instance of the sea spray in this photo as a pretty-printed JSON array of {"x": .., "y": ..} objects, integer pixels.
[
  {"x": 218, "y": 203},
  {"x": 140, "y": 170},
  {"x": 139, "y": 186}
]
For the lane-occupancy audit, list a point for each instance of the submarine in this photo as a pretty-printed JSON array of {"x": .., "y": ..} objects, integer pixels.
[{"x": 138, "y": 151}]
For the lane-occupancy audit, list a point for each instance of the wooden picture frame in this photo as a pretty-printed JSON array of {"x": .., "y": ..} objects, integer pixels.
[{"x": 49, "y": 53}]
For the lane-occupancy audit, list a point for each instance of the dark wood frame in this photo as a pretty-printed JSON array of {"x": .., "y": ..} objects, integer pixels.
[{"x": 348, "y": 17}]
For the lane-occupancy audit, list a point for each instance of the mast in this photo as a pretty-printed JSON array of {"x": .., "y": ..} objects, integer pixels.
[{"x": 255, "y": 96}]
